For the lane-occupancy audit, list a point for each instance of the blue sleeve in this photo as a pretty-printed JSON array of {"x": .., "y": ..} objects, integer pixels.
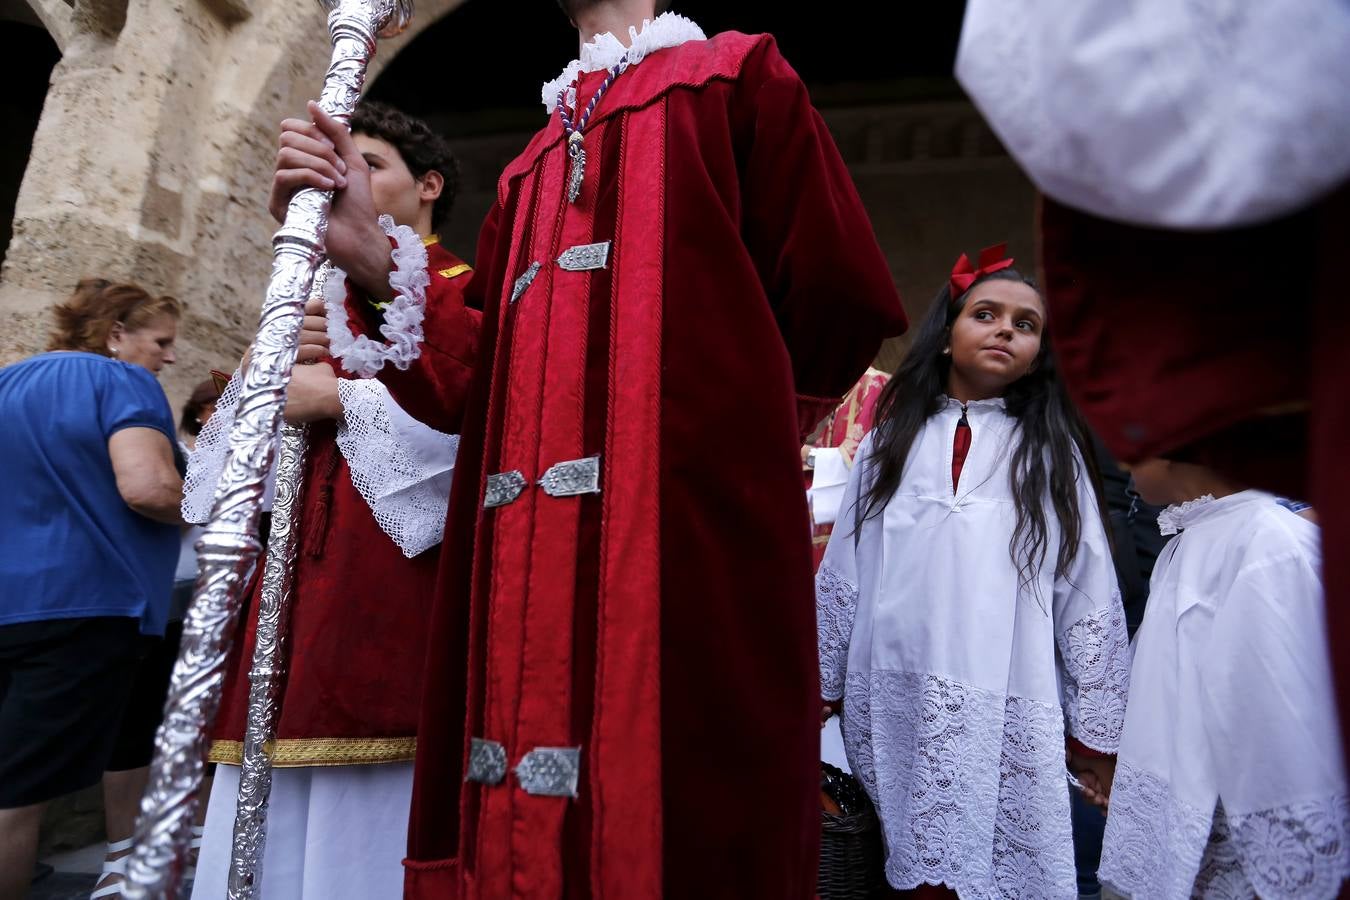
[{"x": 132, "y": 398}]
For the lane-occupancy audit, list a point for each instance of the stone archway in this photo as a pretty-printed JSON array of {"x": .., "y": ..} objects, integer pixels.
[{"x": 153, "y": 155}]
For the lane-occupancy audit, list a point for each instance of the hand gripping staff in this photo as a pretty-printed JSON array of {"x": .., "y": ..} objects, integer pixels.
[{"x": 229, "y": 549}]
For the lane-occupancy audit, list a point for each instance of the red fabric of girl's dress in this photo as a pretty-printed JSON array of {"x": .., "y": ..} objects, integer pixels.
[{"x": 960, "y": 447}]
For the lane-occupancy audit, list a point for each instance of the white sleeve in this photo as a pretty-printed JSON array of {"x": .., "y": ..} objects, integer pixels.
[
  {"x": 401, "y": 467},
  {"x": 1163, "y": 113},
  {"x": 1090, "y": 635},
  {"x": 206, "y": 462},
  {"x": 1273, "y": 731},
  {"x": 837, "y": 584}
]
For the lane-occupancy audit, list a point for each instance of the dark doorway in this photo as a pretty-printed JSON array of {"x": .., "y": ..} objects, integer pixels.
[
  {"x": 31, "y": 55},
  {"x": 478, "y": 70},
  {"x": 475, "y": 76}
]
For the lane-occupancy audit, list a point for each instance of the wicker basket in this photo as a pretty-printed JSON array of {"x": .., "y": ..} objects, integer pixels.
[{"x": 852, "y": 862}]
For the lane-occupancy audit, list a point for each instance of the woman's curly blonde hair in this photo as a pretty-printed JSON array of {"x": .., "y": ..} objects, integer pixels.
[{"x": 85, "y": 320}]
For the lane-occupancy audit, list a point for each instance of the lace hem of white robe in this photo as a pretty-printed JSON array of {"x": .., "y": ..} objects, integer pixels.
[
  {"x": 968, "y": 784},
  {"x": 1158, "y": 845}
]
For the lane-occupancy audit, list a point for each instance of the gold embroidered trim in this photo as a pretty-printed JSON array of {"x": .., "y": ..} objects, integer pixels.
[
  {"x": 431, "y": 239},
  {"x": 290, "y": 752},
  {"x": 455, "y": 270}
]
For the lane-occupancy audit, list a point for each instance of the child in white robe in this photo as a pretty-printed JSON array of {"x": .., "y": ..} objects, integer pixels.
[
  {"x": 967, "y": 606},
  {"x": 1230, "y": 781}
]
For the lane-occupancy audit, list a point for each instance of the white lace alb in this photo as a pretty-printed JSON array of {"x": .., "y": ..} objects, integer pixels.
[
  {"x": 968, "y": 784},
  {"x": 605, "y": 51},
  {"x": 401, "y": 468},
  {"x": 361, "y": 355}
]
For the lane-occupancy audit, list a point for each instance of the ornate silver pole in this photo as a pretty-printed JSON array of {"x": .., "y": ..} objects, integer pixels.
[
  {"x": 229, "y": 548},
  {"x": 255, "y": 776},
  {"x": 269, "y": 654}
]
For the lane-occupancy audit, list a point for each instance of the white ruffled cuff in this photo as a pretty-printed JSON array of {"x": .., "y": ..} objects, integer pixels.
[
  {"x": 359, "y": 354},
  {"x": 401, "y": 467}
]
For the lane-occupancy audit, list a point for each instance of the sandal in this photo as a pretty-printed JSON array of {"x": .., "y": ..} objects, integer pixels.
[{"x": 113, "y": 867}]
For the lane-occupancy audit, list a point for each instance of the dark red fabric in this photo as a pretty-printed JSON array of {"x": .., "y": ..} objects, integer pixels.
[
  {"x": 1082, "y": 749},
  {"x": 1222, "y": 348},
  {"x": 960, "y": 449},
  {"x": 358, "y": 615},
  {"x": 666, "y": 625}
]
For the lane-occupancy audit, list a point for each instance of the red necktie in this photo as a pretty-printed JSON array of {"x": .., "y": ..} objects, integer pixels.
[{"x": 960, "y": 447}]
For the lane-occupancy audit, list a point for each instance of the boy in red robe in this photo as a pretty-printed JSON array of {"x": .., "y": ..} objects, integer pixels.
[
  {"x": 370, "y": 516},
  {"x": 631, "y": 579}
]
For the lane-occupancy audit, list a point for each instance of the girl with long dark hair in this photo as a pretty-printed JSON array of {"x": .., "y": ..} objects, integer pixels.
[{"x": 968, "y": 615}]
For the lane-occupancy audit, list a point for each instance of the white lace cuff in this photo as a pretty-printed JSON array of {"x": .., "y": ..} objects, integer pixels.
[
  {"x": 1157, "y": 845},
  {"x": 403, "y": 315},
  {"x": 1301, "y": 850},
  {"x": 206, "y": 462},
  {"x": 836, "y": 603},
  {"x": 1154, "y": 841},
  {"x": 1096, "y": 655},
  {"x": 401, "y": 468}
]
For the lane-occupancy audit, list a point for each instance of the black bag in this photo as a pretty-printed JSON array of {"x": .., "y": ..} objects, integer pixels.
[{"x": 852, "y": 860}]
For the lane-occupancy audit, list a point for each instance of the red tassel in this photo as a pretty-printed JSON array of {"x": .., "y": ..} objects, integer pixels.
[{"x": 316, "y": 529}]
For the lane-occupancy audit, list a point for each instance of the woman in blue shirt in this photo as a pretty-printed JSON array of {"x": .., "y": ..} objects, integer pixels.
[{"x": 89, "y": 515}]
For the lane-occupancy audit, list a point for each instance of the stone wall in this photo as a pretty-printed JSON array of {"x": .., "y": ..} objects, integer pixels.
[{"x": 153, "y": 155}]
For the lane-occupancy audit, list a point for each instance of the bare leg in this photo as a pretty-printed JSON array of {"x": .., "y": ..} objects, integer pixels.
[
  {"x": 121, "y": 804},
  {"x": 18, "y": 849}
]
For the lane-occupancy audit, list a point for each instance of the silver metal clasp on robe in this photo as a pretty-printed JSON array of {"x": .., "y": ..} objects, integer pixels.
[
  {"x": 585, "y": 257},
  {"x": 550, "y": 771},
  {"x": 503, "y": 488},
  {"x": 487, "y": 761},
  {"x": 572, "y": 478},
  {"x": 524, "y": 281}
]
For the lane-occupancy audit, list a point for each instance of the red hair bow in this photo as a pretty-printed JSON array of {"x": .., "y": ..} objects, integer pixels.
[{"x": 964, "y": 275}]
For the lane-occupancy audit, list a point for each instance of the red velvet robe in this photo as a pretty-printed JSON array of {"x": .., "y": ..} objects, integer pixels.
[
  {"x": 356, "y": 642},
  {"x": 1226, "y": 348},
  {"x": 664, "y": 625}
]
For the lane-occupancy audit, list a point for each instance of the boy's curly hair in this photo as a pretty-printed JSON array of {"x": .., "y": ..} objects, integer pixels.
[
  {"x": 570, "y": 8},
  {"x": 422, "y": 149}
]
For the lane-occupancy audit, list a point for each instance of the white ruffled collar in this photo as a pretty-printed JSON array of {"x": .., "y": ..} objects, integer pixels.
[
  {"x": 1177, "y": 516},
  {"x": 605, "y": 51},
  {"x": 1181, "y": 516}
]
